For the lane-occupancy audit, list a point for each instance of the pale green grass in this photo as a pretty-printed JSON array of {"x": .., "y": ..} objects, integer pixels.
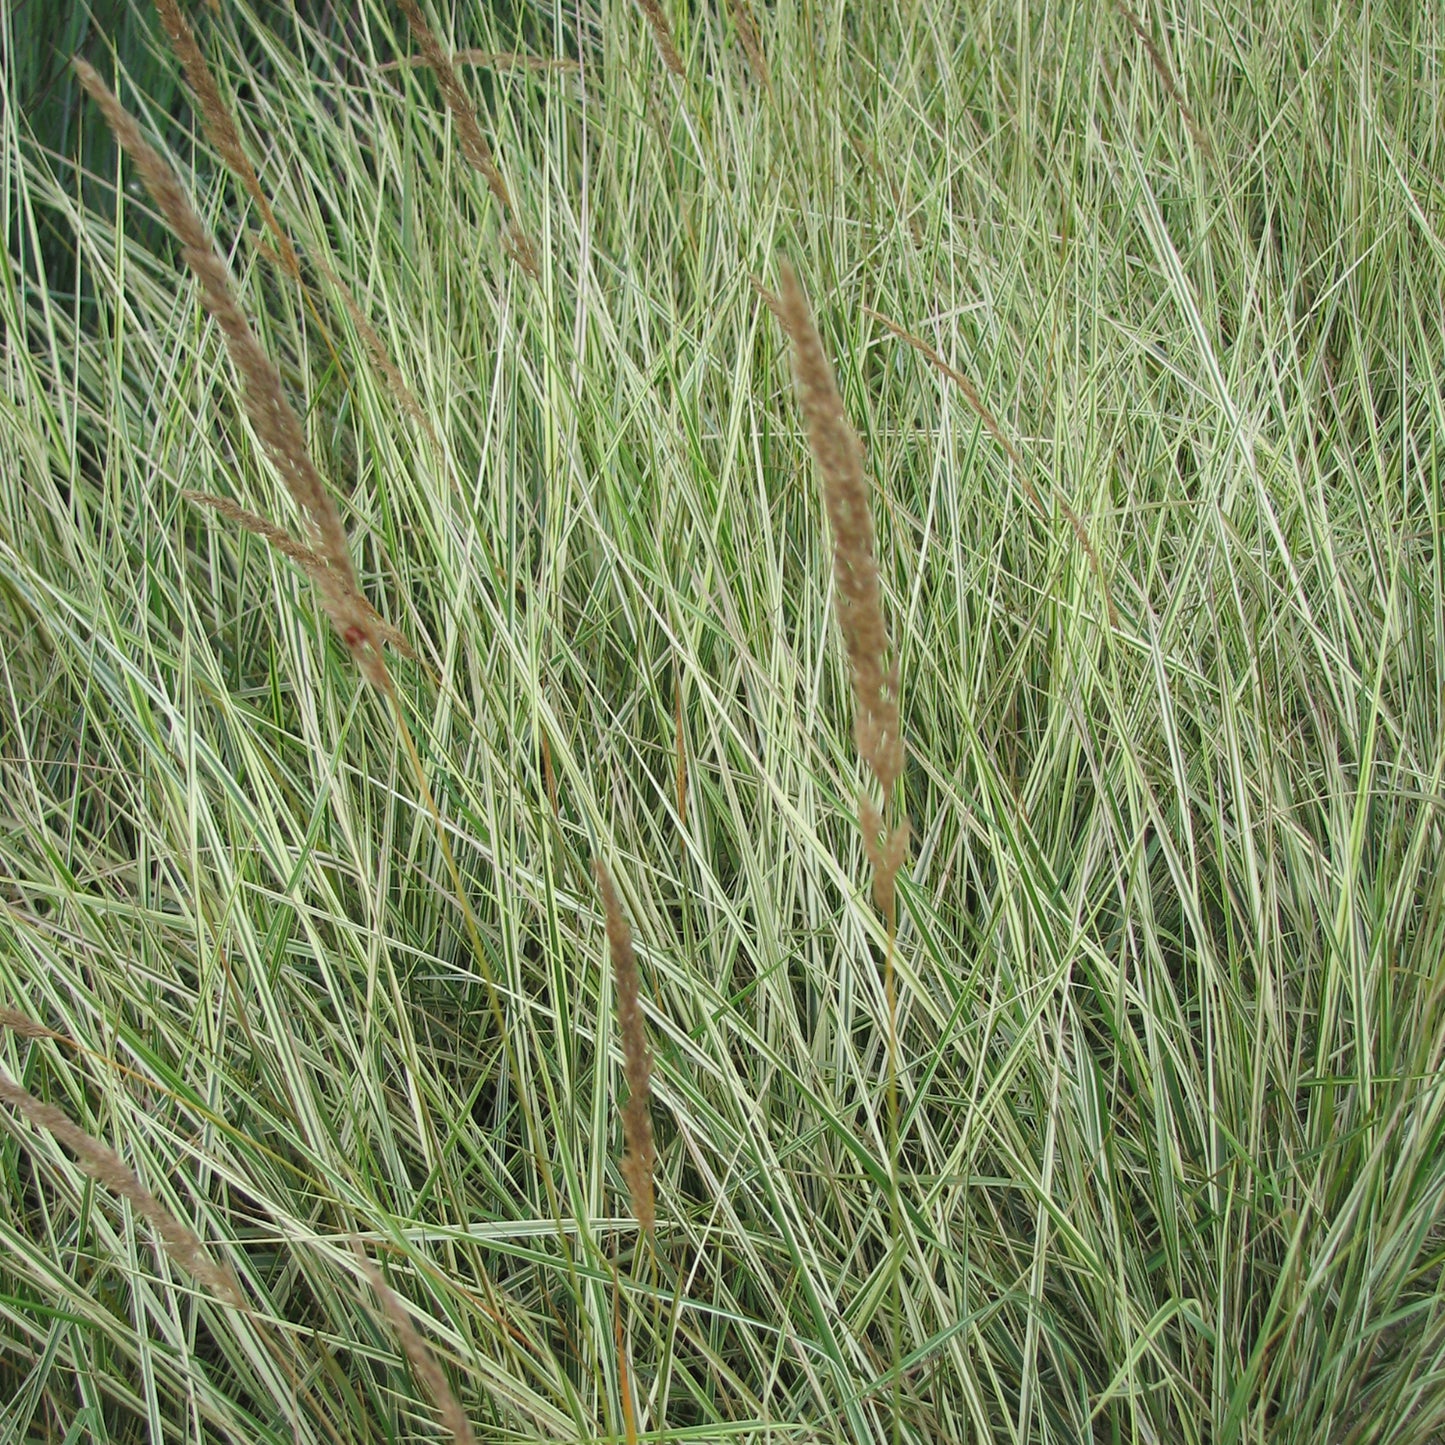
[{"x": 1171, "y": 1001}]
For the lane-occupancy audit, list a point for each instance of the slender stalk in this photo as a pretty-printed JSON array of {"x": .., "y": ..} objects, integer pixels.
[{"x": 875, "y": 687}]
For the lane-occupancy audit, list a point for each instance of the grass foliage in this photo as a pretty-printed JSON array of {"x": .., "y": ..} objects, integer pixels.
[{"x": 1133, "y": 1128}]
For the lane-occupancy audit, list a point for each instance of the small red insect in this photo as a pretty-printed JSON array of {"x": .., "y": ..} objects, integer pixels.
[{"x": 354, "y": 636}]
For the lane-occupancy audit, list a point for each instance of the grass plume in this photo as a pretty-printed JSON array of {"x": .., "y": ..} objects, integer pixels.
[
  {"x": 102, "y": 1164},
  {"x": 219, "y": 124},
  {"x": 877, "y": 727},
  {"x": 26, "y": 1027},
  {"x": 662, "y": 34},
  {"x": 221, "y": 128},
  {"x": 328, "y": 558},
  {"x": 640, "y": 1157},
  {"x": 858, "y": 594},
  {"x": 475, "y": 149},
  {"x": 752, "y": 47},
  {"x": 421, "y": 1359},
  {"x": 308, "y": 561}
]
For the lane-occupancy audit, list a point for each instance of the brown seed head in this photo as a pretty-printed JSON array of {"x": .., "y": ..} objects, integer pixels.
[
  {"x": 640, "y": 1157},
  {"x": 219, "y": 124},
  {"x": 858, "y": 593},
  {"x": 419, "y": 1357},
  {"x": 272, "y": 415},
  {"x": 748, "y": 39},
  {"x": 855, "y": 568},
  {"x": 475, "y": 150},
  {"x": 102, "y": 1164},
  {"x": 662, "y": 34}
]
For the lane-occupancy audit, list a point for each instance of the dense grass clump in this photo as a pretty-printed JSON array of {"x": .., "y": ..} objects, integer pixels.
[{"x": 1016, "y": 428}]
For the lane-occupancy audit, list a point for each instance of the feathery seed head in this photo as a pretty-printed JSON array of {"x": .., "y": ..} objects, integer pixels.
[
  {"x": 102, "y": 1164},
  {"x": 328, "y": 559},
  {"x": 855, "y": 568},
  {"x": 475, "y": 150},
  {"x": 640, "y": 1156},
  {"x": 857, "y": 589}
]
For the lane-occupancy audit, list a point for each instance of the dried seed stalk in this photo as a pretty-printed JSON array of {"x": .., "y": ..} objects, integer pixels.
[
  {"x": 221, "y": 127},
  {"x": 475, "y": 149},
  {"x": 640, "y": 1157},
  {"x": 266, "y": 404},
  {"x": 839, "y": 454},
  {"x": 423, "y": 1363},
  {"x": 219, "y": 124},
  {"x": 748, "y": 39},
  {"x": 102, "y": 1164},
  {"x": 27, "y": 1028},
  {"x": 662, "y": 34},
  {"x": 301, "y": 555}
]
